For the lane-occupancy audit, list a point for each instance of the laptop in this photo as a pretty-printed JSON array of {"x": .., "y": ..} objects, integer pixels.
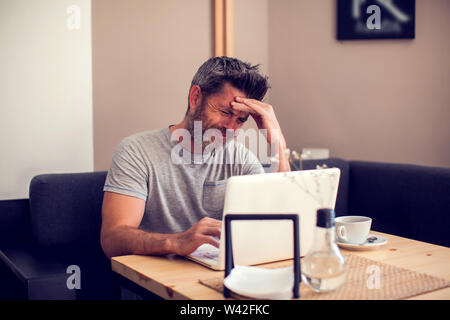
[{"x": 261, "y": 241}]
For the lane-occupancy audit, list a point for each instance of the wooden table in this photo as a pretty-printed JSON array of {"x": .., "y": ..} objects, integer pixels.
[{"x": 175, "y": 277}]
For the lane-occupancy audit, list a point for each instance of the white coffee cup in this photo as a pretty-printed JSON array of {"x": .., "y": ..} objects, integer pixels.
[{"x": 352, "y": 229}]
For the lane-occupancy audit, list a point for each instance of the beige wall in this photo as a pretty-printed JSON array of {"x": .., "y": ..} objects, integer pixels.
[
  {"x": 145, "y": 53},
  {"x": 383, "y": 100},
  {"x": 45, "y": 91},
  {"x": 251, "y": 32},
  {"x": 371, "y": 100},
  {"x": 251, "y": 38}
]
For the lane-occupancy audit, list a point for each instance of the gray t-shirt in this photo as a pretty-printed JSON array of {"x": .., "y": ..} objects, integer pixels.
[{"x": 177, "y": 195}]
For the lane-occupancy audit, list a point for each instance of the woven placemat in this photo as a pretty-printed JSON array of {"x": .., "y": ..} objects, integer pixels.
[{"x": 366, "y": 279}]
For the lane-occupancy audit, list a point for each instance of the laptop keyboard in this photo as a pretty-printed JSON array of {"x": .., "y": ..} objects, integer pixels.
[{"x": 206, "y": 251}]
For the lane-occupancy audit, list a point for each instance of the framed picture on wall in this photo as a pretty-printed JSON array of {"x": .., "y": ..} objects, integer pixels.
[{"x": 375, "y": 19}]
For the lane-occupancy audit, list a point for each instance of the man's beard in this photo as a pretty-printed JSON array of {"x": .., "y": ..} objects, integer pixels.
[{"x": 199, "y": 115}]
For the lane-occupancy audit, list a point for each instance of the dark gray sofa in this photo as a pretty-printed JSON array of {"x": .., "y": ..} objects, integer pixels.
[{"x": 59, "y": 225}]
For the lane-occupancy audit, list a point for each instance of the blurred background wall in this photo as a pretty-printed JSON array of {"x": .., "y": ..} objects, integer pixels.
[
  {"x": 70, "y": 95},
  {"x": 45, "y": 91},
  {"x": 377, "y": 100},
  {"x": 145, "y": 53}
]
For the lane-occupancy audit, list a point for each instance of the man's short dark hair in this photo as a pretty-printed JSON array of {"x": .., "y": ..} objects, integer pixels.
[{"x": 215, "y": 72}]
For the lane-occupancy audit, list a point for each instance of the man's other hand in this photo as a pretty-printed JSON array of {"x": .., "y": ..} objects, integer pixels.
[{"x": 202, "y": 232}]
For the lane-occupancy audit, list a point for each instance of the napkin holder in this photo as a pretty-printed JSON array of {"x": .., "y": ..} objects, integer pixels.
[{"x": 229, "y": 263}]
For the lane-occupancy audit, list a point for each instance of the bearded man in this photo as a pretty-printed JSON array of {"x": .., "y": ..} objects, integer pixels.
[{"x": 163, "y": 193}]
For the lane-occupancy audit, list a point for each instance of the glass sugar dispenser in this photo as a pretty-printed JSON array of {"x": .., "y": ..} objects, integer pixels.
[{"x": 324, "y": 268}]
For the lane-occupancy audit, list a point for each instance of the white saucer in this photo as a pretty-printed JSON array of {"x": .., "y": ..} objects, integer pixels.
[{"x": 366, "y": 245}]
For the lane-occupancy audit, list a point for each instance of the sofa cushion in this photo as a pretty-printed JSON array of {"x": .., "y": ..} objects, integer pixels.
[
  {"x": 65, "y": 209},
  {"x": 14, "y": 221},
  {"x": 406, "y": 200}
]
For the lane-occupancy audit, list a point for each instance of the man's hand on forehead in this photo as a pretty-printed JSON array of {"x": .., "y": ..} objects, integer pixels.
[
  {"x": 262, "y": 113},
  {"x": 230, "y": 111},
  {"x": 265, "y": 118}
]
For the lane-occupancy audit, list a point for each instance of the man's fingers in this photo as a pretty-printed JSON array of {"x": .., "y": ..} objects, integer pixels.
[
  {"x": 211, "y": 222},
  {"x": 211, "y": 241},
  {"x": 256, "y": 105},
  {"x": 210, "y": 231},
  {"x": 242, "y": 107}
]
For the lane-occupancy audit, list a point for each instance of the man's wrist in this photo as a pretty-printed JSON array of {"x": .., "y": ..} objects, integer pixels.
[
  {"x": 171, "y": 243},
  {"x": 282, "y": 156}
]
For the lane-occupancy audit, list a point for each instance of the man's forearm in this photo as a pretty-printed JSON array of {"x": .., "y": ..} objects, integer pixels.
[{"x": 128, "y": 240}]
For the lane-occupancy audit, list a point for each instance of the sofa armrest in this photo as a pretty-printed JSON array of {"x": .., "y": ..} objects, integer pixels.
[{"x": 42, "y": 276}]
